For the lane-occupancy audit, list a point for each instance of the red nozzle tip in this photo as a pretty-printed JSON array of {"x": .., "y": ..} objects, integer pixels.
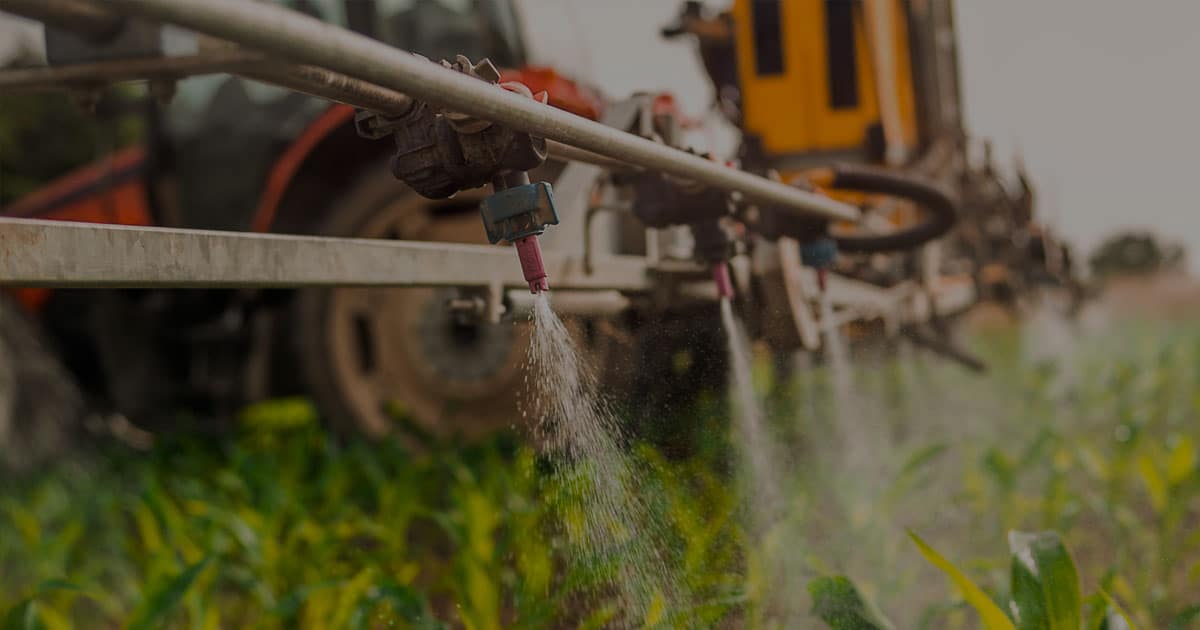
[
  {"x": 720, "y": 273},
  {"x": 532, "y": 266}
]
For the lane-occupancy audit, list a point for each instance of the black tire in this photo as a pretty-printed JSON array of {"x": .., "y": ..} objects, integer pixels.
[
  {"x": 41, "y": 407},
  {"x": 347, "y": 358}
]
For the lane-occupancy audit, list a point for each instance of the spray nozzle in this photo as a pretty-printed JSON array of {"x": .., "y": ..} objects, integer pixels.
[
  {"x": 715, "y": 247},
  {"x": 720, "y": 272},
  {"x": 534, "y": 270},
  {"x": 820, "y": 254},
  {"x": 518, "y": 212}
]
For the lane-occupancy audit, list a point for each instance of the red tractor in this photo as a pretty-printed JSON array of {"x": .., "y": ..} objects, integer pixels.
[{"x": 229, "y": 154}]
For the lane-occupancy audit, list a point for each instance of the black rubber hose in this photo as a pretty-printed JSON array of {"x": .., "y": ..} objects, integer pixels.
[
  {"x": 943, "y": 347},
  {"x": 939, "y": 208}
]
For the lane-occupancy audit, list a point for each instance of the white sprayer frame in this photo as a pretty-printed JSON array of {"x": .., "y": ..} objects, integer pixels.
[{"x": 61, "y": 254}]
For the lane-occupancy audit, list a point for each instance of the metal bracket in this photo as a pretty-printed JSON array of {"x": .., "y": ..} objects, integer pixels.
[{"x": 518, "y": 212}]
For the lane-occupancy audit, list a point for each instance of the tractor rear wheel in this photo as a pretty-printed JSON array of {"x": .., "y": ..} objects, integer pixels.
[
  {"x": 371, "y": 357},
  {"x": 42, "y": 409}
]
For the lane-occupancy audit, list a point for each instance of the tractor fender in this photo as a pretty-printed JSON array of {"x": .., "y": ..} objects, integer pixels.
[{"x": 314, "y": 169}]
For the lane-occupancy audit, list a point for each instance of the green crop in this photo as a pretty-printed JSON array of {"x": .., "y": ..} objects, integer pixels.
[
  {"x": 1044, "y": 592},
  {"x": 282, "y": 525}
]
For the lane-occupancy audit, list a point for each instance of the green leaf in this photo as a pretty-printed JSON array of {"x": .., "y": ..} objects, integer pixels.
[
  {"x": 838, "y": 603},
  {"x": 655, "y": 612},
  {"x": 23, "y": 616},
  {"x": 1101, "y": 616},
  {"x": 923, "y": 457},
  {"x": 1094, "y": 609},
  {"x": 1119, "y": 612},
  {"x": 27, "y": 615},
  {"x": 1156, "y": 485},
  {"x": 408, "y": 605},
  {"x": 1045, "y": 584},
  {"x": 912, "y": 469},
  {"x": 1185, "y": 618},
  {"x": 1182, "y": 461},
  {"x": 162, "y": 601},
  {"x": 57, "y": 585},
  {"x": 599, "y": 618},
  {"x": 289, "y": 605},
  {"x": 1001, "y": 467},
  {"x": 1114, "y": 620},
  {"x": 991, "y": 614},
  {"x": 1039, "y": 450},
  {"x": 26, "y": 523}
]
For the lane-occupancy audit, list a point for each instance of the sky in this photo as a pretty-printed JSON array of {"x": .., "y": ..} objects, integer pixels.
[{"x": 1100, "y": 97}]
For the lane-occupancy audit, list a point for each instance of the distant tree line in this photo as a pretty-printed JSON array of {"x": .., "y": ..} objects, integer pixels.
[{"x": 1135, "y": 252}]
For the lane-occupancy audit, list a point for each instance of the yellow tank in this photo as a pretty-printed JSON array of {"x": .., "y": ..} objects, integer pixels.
[{"x": 809, "y": 77}]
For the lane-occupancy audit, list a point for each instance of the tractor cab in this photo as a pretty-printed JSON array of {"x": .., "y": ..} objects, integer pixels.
[
  {"x": 822, "y": 89},
  {"x": 818, "y": 83}
]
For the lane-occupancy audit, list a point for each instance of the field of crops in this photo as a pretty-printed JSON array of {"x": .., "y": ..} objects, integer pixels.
[{"x": 909, "y": 488}]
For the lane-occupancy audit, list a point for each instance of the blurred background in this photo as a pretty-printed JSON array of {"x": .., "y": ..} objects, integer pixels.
[
  {"x": 1043, "y": 84},
  {"x": 1054, "y": 84},
  {"x": 983, "y": 396}
]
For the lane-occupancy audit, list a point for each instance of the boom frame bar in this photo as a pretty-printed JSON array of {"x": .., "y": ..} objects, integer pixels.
[{"x": 62, "y": 254}]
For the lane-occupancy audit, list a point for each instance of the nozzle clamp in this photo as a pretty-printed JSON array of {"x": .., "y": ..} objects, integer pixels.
[
  {"x": 518, "y": 212},
  {"x": 819, "y": 253},
  {"x": 439, "y": 152}
]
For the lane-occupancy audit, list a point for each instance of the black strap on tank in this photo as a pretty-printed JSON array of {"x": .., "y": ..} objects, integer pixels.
[{"x": 841, "y": 54}]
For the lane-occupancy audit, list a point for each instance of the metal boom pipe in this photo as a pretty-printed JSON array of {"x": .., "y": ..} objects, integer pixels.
[
  {"x": 92, "y": 21},
  {"x": 223, "y": 57},
  {"x": 79, "y": 16},
  {"x": 303, "y": 39},
  {"x": 67, "y": 254},
  {"x": 98, "y": 74},
  {"x": 366, "y": 95}
]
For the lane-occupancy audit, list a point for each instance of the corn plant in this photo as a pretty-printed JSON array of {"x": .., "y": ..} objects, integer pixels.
[
  {"x": 1043, "y": 593},
  {"x": 281, "y": 525}
]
